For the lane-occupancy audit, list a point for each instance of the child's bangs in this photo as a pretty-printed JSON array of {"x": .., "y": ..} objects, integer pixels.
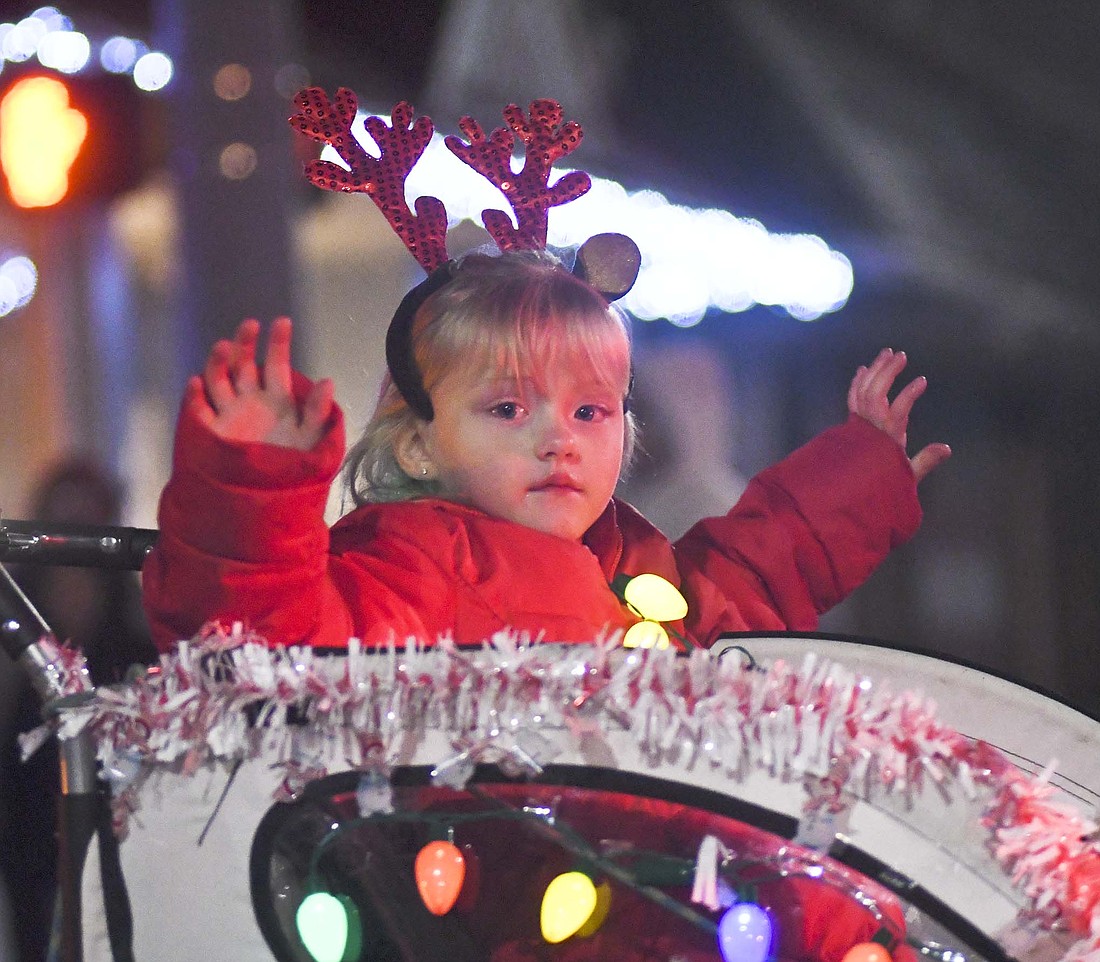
[
  {"x": 528, "y": 347},
  {"x": 526, "y": 337}
]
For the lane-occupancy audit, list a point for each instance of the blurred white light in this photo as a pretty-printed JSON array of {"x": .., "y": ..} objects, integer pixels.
[
  {"x": 52, "y": 18},
  {"x": 7, "y": 296},
  {"x": 692, "y": 260},
  {"x": 153, "y": 71},
  {"x": 49, "y": 34},
  {"x": 35, "y": 26},
  {"x": 20, "y": 43},
  {"x": 64, "y": 50},
  {"x": 22, "y": 271},
  {"x": 119, "y": 54},
  {"x": 18, "y": 282}
]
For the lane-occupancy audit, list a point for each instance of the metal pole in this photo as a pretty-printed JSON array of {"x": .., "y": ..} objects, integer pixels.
[{"x": 27, "y": 639}]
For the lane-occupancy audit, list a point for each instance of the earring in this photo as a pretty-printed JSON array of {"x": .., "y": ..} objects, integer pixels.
[{"x": 423, "y": 471}]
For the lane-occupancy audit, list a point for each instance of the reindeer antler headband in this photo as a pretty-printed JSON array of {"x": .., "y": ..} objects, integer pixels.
[{"x": 608, "y": 262}]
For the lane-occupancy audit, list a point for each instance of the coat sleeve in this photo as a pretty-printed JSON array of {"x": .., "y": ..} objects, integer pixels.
[
  {"x": 243, "y": 536},
  {"x": 805, "y": 533}
]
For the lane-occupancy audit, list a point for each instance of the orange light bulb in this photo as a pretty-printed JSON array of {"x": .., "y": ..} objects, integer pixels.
[{"x": 440, "y": 870}]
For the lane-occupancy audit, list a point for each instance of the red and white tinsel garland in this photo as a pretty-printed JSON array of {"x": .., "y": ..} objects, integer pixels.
[{"x": 227, "y": 696}]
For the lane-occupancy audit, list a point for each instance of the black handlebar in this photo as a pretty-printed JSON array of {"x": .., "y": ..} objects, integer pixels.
[{"x": 80, "y": 545}]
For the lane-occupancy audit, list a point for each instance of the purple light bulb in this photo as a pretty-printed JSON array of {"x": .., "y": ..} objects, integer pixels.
[{"x": 745, "y": 933}]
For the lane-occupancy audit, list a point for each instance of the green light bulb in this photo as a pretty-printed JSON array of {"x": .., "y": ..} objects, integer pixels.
[{"x": 328, "y": 926}]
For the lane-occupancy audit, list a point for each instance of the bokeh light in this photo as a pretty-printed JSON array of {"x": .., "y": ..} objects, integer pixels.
[
  {"x": 153, "y": 71},
  {"x": 20, "y": 42},
  {"x": 119, "y": 54},
  {"x": 232, "y": 81},
  {"x": 289, "y": 79},
  {"x": 66, "y": 51},
  {"x": 50, "y": 36},
  {"x": 237, "y": 161},
  {"x": 18, "y": 283}
]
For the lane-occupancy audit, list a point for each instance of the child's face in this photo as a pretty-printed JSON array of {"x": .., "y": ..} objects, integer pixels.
[{"x": 545, "y": 453}]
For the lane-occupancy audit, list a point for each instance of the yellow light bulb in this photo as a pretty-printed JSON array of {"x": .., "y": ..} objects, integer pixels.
[
  {"x": 599, "y": 913},
  {"x": 655, "y": 598},
  {"x": 646, "y": 634},
  {"x": 569, "y": 901}
]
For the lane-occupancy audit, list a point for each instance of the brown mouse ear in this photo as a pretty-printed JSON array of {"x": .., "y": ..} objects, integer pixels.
[{"x": 609, "y": 263}]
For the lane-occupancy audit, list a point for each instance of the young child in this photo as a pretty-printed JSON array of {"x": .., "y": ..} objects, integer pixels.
[{"x": 490, "y": 506}]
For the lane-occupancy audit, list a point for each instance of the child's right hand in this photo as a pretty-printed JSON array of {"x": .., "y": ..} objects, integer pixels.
[{"x": 241, "y": 401}]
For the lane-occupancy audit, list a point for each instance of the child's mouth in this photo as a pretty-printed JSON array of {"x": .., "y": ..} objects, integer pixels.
[{"x": 557, "y": 483}]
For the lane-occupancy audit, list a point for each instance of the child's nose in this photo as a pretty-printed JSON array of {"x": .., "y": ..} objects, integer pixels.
[{"x": 557, "y": 439}]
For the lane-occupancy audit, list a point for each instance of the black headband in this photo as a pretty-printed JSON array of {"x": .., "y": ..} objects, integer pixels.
[
  {"x": 399, "y": 344},
  {"x": 609, "y": 263}
]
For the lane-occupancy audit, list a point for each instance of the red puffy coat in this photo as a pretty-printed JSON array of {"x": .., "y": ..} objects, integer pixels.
[{"x": 243, "y": 537}]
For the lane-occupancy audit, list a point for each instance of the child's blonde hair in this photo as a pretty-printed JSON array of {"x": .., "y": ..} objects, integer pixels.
[{"x": 520, "y": 311}]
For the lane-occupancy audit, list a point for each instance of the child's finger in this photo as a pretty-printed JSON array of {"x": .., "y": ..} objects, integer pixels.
[
  {"x": 927, "y": 459},
  {"x": 861, "y": 396},
  {"x": 856, "y": 388},
  {"x": 317, "y": 408},
  {"x": 196, "y": 401},
  {"x": 902, "y": 405},
  {"x": 277, "y": 361},
  {"x": 219, "y": 387},
  {"x": 888, "y": 365},
  {"x": 244, "y": 372},
  {"x": 883, "y": 357}
]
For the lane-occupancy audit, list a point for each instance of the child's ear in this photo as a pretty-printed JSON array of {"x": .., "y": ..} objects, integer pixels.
[{"x": 412, "y": 455}]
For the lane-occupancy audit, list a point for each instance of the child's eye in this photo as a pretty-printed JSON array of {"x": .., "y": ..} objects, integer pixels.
[
  {"x": 590, "y": 412},
  {"x": 506, "y": 410}
]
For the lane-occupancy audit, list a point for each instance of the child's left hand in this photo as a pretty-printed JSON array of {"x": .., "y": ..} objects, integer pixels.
[{"x": 869, "y": 398}]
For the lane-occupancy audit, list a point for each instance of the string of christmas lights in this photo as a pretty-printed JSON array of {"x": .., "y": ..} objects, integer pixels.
[
  {"x": 227, "y": 696},
  {"x": 576, "y": 902}
]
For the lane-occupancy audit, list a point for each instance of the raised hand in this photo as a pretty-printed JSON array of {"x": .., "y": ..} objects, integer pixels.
[
  {"x": 869, "y": 397},
  {"x": 240, "y": 400}
]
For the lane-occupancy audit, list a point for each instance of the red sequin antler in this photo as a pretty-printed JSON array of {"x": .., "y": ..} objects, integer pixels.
[
  {"x": 545, "y": 139},
  {"x": 383, "y": 178}
]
